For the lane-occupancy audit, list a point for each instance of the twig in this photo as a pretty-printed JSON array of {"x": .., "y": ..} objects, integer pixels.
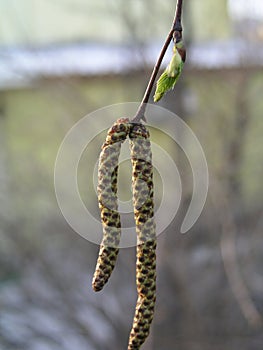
[{"x": 176, "y": 33}]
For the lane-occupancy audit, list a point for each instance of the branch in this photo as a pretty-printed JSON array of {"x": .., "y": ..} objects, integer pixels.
[
  {"x": 176, "y": 33},
  {"x": 178, "y": 16}
]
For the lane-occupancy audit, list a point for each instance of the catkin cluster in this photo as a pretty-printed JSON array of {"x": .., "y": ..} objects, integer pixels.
[{"x": 142, "y": 185}]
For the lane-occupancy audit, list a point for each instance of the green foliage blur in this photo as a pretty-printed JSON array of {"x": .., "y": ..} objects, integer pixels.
[{"x": 210, "y": 281}]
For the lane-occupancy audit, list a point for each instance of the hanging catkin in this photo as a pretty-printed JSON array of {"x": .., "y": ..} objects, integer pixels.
[
  {"x": 108, "y": 202},
  {"x": 142, "y": 184}
]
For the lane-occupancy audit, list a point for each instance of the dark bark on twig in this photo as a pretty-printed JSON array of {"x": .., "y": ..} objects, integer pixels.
[{"x": 176, "y": 33}]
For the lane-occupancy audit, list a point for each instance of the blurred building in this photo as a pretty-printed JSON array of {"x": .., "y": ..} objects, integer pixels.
[{"x": 44, "y": 39}]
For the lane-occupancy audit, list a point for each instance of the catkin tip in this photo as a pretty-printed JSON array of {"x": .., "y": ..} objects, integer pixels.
[{"x": 96, "y": 288}]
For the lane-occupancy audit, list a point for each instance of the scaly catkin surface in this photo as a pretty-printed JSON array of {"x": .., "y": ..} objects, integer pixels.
[
  {"x": 108, "y": 202},
  {"x": 142, "y": 183}
]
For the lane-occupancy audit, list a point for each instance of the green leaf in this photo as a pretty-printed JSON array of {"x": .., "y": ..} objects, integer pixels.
[{"x": 170, "y": 76}]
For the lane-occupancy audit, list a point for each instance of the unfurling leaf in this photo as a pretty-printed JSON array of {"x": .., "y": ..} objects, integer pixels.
[{"x": 172, "y": 72}]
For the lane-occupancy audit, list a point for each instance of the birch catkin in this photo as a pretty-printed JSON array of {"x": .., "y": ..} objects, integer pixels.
[
  {"x": 142, "y": 183},
  {"x": 108, "y": 202}
]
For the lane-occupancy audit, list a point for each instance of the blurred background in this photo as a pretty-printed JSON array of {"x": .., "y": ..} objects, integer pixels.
[{"x": 62, "y": 59}]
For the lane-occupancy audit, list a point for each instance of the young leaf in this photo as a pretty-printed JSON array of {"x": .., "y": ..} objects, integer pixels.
[{"x": 171, "y": 74}]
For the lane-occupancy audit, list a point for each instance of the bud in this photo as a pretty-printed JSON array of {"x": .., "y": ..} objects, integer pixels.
[{"x": 171, "y": 74}]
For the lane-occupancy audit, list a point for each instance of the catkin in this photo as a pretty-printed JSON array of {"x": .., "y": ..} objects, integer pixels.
[
  {"x": 142, "y": 184},
  {"x": 108, "y": 202}
]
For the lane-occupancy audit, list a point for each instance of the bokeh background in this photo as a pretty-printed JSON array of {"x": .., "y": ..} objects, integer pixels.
[{"x": 59, "y": 61}]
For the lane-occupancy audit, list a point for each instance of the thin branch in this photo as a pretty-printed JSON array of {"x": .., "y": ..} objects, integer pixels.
[
  {"x": 176, "y": 33},
  {"x": 178, "y": 16}
]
